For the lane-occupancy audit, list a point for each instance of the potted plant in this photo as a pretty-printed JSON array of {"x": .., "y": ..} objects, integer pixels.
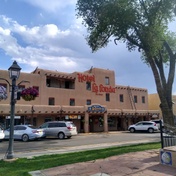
[{"x": 29, "y": 94}]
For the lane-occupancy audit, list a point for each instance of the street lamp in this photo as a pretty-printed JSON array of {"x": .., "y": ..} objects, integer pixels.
[{"x": 14, "y": 73}]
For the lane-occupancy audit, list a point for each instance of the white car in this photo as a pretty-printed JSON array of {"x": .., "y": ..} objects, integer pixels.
[
  {"x": 2, "y": 135},
  {"x": 143, "y": 126},
  {"x": 25, "y": 133}
]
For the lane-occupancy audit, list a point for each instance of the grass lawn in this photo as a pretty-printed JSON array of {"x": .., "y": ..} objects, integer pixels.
[{"x": 22, "y": 166}]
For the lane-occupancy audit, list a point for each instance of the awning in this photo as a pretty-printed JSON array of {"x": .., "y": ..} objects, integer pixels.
[
  {"x": 128, "y": 111},
  {"x": 19, "y": 109},
  {"x": 114, "y": 111},
  {"x": 73, "y": 109},
  {"x": 45, "y": 109}
]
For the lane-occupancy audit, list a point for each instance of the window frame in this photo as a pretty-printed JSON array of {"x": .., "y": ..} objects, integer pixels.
[
  {"x": 107, "y": 97},
  {"x": 72, "y": 102},
  {"x": 51, "y": 101},
  {"x": 107, "y": 80},
  {"x": 121, "y": 98}
]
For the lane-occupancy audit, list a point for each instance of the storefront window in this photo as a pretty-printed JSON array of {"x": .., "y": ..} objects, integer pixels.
[{"x": 111, "y": 122}]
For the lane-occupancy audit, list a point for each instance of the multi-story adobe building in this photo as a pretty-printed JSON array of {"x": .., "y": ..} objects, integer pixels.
[
  {"x": 154, "y": 103},
  {"x": 90, "y": 99}
]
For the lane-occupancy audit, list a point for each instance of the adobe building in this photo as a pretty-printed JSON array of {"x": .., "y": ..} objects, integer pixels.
[
  {"x": 90, "y": 99},
  {"x": 154, "y": 103}
]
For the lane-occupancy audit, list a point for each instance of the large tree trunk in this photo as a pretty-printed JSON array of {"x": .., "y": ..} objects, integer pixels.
[{"x": 164, "y": 95}]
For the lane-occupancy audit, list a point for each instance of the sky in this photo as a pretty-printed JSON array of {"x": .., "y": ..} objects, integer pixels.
[{"x": 48, "y": 35}]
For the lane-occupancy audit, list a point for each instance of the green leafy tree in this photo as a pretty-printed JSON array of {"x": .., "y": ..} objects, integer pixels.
[{"x": 141, "y": 24}]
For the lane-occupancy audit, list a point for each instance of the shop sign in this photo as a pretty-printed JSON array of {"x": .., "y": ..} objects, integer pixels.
[
  {"x": 96, "y": 108},
  {"x": 166, "y": 158},
  {"x": 73, "y": 117},
  {"x": 16, "y": 117},
  {"x": 3, "y": 93}
]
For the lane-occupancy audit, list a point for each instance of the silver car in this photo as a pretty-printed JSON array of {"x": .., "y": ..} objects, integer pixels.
[
  {"x": 25, "y": 133},
  {"x": 143, "y": 126},
  {"x": 59, "y": 129}
]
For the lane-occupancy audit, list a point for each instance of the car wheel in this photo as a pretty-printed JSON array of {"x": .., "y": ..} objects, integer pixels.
[
  {"x": 132, "y": 130},
  {"x": 150, "y": 130},
  {"x": 61, "y": 135},
  {"x": 25, "y": 138}
]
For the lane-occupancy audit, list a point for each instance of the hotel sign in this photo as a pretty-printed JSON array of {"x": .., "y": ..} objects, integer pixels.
[
  {"x": 98, "y": 89},
  {"x": 96, "y": 108}
]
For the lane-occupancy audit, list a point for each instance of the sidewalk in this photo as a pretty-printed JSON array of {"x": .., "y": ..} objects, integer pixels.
[{"x": 144, "y": 163}]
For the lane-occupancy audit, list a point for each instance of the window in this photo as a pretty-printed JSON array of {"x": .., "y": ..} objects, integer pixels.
[
  {"x": 51, "y": 101},
  {"x": 143, "y": 99},
  {"x": 107, "y": 97},
  {"x": 107, "y": 80},
  {"x": 135, "y": 98},
  {"x": 88, "y": 85},
  {"x": 72, "y": 102},
  {"x": 121, "y": 97},
  {"x": 48, "y": 82},
  {"x": 88, "y": 102}
]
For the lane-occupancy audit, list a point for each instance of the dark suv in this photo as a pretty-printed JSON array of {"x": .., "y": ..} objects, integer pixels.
[{"x": 60, "y": 129}]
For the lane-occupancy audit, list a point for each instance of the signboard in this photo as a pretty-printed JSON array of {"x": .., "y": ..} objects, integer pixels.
[
  {"x": 166, "y": 158},
  {"x": 3, "y": 93},
  {"x": 72, "y": 117},
  {"x": 96, "y": 108},
  {"x": 16, "y": 117}
]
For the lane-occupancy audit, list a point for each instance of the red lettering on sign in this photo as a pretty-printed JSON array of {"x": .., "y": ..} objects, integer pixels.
[{"x": 89, "y": 78}]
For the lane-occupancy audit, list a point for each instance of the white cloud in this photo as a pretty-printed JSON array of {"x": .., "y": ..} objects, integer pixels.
[
  {"x": 51, "y": 5},
  {"x": 43, "y": 46}
]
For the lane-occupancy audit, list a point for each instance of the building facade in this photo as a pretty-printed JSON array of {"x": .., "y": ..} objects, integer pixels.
[
  {"x": 90, "y": 99},
  {"x": 154, "y": 103}
]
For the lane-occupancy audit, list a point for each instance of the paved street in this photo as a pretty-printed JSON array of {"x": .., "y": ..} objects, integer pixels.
[{"x": 77, "y": 143}]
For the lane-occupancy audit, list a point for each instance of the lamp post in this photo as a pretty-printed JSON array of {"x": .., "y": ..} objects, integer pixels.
[{"x": 14, "y": 73}]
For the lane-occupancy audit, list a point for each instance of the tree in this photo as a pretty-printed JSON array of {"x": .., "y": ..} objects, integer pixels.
[{"x": 141, "y": 24}]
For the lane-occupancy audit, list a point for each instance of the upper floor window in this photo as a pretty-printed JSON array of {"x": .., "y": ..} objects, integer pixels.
[
  {"x": 48, "y": 82},
  {"x": 135, "y": 98},
  {"x": 107, "y": 80},
  {"x": 107, "y": 97},
  {"x": 143, "y": 99},
  {"x": 88, "y": 85},
  {"x": 88, "y": 102},
  {"x": 51, "y": 101},
  {"x": 121, "y": 97},
  {"x": 72, "y": 102}
]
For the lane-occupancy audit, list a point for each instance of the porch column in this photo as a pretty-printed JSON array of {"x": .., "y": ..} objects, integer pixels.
[
  {"x": 105, "y": 124},
  {"x": 86, "y": 124}
]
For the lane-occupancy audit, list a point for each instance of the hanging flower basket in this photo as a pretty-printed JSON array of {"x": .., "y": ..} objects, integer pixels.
[{"x": 29, "y": 94}]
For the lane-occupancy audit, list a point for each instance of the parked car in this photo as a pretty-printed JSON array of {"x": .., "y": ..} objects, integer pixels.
[
  {"x": 60, "y": 129},
  {"x": 143, "y": 126},
  {"x": 2, "y": 135},
  {"x": 25, "y": 132},
  {"x": 157, "y": 121}
]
